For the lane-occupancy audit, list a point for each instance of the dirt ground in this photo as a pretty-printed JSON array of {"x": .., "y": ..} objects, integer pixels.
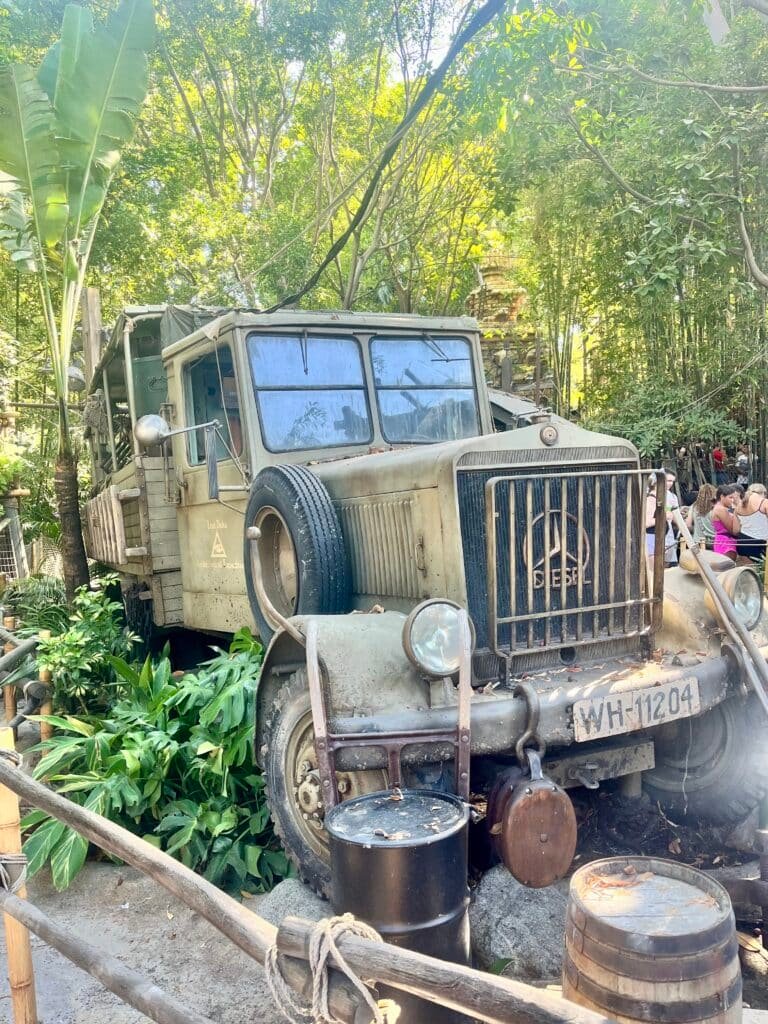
[{"x": 131, "y": 917}]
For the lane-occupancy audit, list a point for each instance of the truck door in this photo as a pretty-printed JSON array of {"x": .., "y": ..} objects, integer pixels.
[{"x": 211, "y": 532}]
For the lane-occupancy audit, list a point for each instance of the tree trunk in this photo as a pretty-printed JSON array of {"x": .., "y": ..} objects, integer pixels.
[{"x": 75, "y": 564}]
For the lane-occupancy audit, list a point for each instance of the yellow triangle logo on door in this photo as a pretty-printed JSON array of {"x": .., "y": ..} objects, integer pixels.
[{"x": 217, "y": 551}]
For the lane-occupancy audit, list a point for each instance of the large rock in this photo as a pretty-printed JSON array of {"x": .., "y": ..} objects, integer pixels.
[
  {"x": 523, "y": 926},
  {"x": 745, "y": 913},
  {"x": 292, "y": 898}
]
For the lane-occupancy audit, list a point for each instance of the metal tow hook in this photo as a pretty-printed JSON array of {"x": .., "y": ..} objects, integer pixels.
[{"x": 586, "y": 774}]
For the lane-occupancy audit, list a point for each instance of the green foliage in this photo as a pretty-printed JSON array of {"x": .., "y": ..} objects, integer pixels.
[
  {"x": 12, "y": 465},
  {"x": 622, "y": 199},
  {"x": 81, "y": 659},
  {"x": 62, "y": 130},
  {"x": 40, "y": 603},
  {"x": 657, "y": 416},
  {"x": 172, "y": 763}
]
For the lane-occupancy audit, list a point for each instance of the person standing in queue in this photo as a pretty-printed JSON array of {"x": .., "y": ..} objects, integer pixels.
[
  {"x": 718, "y": 460},
  {"x": 670, "y": 540}
]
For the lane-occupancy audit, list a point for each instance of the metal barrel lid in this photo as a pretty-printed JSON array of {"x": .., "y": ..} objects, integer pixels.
[
  {"x": 396, "y": 818},
  {"x": 650, "y": 906}
]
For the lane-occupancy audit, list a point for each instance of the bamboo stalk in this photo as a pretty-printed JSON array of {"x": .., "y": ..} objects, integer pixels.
[
  {"x": 130, "y": 987},
  {"x": 247, "y": 930},
  {"x": 18, "y": 949}
]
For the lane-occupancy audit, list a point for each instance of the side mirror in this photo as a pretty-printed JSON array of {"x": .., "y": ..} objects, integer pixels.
[{"x": 151, "y": 430}]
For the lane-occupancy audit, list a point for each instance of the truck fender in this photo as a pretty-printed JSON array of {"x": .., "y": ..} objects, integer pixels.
[{"x": 362, "y": 660}]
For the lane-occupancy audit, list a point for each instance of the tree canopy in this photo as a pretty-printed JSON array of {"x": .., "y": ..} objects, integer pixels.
[{"x": 613, "y": 150}]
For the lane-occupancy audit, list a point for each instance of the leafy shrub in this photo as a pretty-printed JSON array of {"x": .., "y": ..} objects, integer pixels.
[
  {"x": 12, "y": 465},
  {"x": 172, "y": 763},
  {"x": 80, "y": 659},
  {"x": 39, "y": 602},
  {"x": 660, "y": 414}
]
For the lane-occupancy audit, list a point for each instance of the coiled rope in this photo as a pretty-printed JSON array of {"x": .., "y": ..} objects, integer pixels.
[
  {"x": 12, "y": 860},
  {"x": 323, "y": 953}
]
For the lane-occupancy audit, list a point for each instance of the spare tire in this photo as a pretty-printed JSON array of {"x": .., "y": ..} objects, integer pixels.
[{"x": 303, "y": 561}]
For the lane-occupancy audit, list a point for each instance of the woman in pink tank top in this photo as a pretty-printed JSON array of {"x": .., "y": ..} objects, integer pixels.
[{"x": 725, "y": 521}]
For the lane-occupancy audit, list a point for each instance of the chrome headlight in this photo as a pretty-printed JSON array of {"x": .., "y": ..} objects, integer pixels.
[
  {"x": 745, "y": 590},
  {"x": 432, "y": 637}
]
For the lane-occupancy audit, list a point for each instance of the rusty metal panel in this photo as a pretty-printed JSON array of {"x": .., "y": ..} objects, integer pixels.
[{"x": 385, "y": 568}]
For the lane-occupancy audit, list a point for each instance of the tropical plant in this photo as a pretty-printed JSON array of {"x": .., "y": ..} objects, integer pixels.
[
  {"x": 62, "y": 128},
  {"x": 39, "y": 602},
  {"x": 12, "y": 465},
  {"x": 81, "y": 658},
  {"x": 172, "y": 763}
]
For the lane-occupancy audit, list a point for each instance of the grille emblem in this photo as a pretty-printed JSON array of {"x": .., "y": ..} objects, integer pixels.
[{"x": 564, "y": 564}]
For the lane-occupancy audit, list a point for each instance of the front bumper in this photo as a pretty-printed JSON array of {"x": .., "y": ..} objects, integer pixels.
[{"x": 498, "y": 719}]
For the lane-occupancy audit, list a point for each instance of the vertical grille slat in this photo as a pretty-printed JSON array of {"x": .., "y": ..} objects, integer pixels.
[
  {"x": 551, "y": 559},
  {"x": 547, "y": 561},
  {"x": 529, "y": 548},
  {"x": 596, "y": 563},
  {"x": 612, "y": 561},
  {"x": 580, "y": 556}
]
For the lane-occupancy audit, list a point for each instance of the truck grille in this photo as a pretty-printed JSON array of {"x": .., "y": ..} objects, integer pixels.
[{"x": 553, "y": 557}]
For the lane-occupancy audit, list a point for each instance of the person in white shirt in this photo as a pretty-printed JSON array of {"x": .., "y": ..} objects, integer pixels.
[{"x": 670, "y": 540}]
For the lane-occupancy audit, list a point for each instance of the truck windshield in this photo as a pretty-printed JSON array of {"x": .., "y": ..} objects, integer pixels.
[
  {"x": 425, "y": 388},
  {"x": 310, "y": 391}
]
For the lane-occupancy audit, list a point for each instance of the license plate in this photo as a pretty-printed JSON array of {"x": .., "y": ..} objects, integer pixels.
[{"x": 617, "y": 713}]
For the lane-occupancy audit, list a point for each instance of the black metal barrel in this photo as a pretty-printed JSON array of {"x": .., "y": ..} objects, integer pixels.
[{"x": 399, "y": 863}]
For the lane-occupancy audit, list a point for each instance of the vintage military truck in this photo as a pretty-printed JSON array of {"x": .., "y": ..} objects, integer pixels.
[{"x": 338, "y": 473}]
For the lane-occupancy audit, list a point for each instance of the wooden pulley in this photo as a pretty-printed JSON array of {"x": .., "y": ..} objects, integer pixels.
[{"x": 532, "y": 824}]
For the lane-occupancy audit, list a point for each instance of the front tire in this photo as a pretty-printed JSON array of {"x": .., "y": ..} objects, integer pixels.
[
  {"x": 714, "y": 767},
  {"x": 293, "y": 784}
]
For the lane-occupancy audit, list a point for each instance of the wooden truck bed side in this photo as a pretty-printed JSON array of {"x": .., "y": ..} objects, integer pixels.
[{"x": 132, "y": 527}]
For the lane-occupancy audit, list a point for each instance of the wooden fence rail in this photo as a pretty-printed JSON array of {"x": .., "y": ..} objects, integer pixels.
[{"x": 484, "y": 996}]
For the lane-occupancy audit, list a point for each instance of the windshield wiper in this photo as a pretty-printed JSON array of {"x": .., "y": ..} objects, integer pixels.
[{"x": 442, "y": 357}]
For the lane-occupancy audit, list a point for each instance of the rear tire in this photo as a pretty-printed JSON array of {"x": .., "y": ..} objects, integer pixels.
[
  {"x": 303, "y": 560},
  {"x": 712, "y": 768},
  {"x": 140, "y": 614}
]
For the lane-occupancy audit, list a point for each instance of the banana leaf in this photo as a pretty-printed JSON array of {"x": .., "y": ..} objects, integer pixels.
[
  {"x": 28, "y": 151},
  {"x": 98, "y": 80}
]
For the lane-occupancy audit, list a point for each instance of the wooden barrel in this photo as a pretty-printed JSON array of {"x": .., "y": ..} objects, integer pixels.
[{"x": 651, "y": 940}]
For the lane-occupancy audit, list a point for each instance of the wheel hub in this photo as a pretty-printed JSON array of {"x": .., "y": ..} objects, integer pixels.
[
  {"x": 308, "y": 794},
  {"x": 307, "y": 791}
]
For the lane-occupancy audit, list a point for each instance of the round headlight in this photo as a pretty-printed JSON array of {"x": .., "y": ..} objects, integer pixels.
[
  {"x": 745, "y": 590},
  {"x": 432, "y": 637}
]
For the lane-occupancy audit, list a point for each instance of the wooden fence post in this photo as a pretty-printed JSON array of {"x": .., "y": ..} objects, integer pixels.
[
  {"x": 9, "y": 692},
  {"x": 46, "y": 729},
  {"x": 17, "y": 944}
]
